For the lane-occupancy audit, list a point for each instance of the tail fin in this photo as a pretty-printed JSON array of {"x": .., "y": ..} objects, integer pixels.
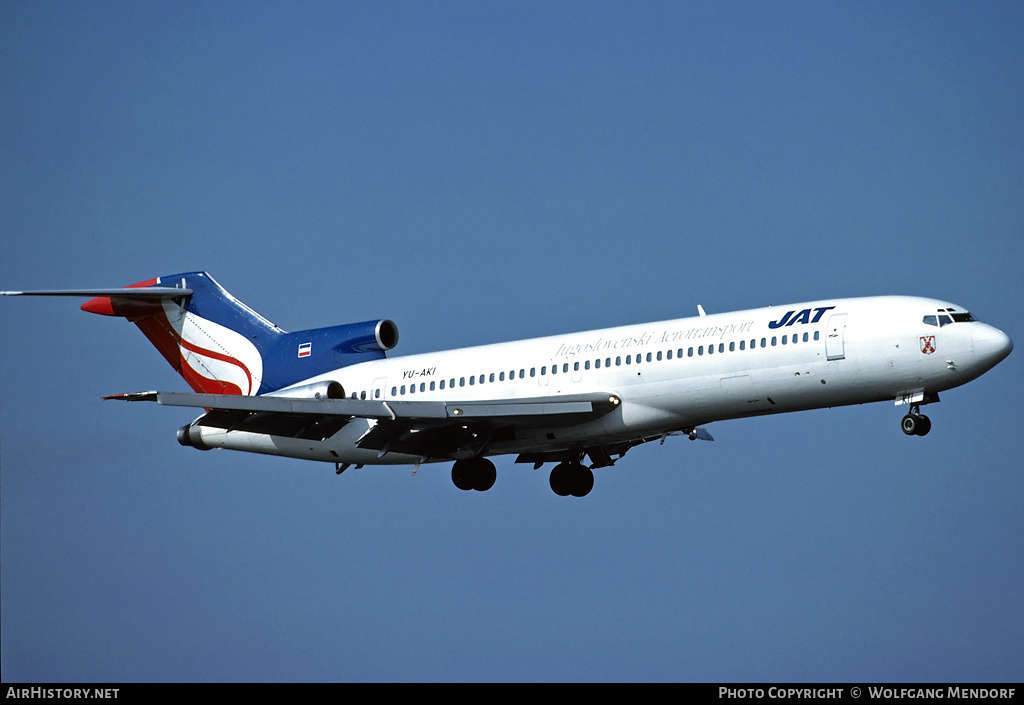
[{"x": 221, "y": 346}]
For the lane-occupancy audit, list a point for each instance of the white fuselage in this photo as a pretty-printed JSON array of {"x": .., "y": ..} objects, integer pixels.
[{"x": 677, "y": 374}]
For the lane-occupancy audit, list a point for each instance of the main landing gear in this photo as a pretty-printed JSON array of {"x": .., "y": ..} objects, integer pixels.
[
  {"x": 567, "y": 478},
  {"x": 571, "y": 478},
  {"x": 474, "y": 474},
  {"x": 915, "y": 423}
]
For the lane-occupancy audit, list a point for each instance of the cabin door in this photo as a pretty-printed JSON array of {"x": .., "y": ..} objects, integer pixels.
[{"x": 835, "y": 334}]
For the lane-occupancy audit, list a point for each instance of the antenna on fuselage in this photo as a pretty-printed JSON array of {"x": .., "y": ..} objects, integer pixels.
[{"x": 700, "y": 310}]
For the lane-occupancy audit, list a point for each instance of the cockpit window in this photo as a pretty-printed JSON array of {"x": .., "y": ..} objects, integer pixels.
[{"x": 946, "y": 317}]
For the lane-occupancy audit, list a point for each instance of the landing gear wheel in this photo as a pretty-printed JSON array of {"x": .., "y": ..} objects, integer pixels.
[
  {"x": 561, "y": 479},
  {"x": 462, "y": 475},
  {"x": 916, "y": 424},
  {"x": 571, "y": 479},
  {"x": 583, "y": 481},
  {"x": 474, "y": 474},
  {"x": 484, "y": 475}
]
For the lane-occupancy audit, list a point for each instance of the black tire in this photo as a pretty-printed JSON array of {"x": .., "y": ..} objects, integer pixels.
[
  {"x": 484, "y": 474},
  {"x": 561, "y": 479},
  {"x": 462, "y": 475},
  {"x": 910, "y": 424},
  {"x": 582, "y": 481},
  {"x": 924, "y": 425}
]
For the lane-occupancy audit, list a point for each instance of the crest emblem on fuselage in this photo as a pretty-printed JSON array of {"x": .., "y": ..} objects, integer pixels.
[{"x": 927, "y": 344}]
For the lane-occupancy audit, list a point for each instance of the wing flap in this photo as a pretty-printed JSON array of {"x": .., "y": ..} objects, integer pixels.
[
  {"x": 306, "y": 426},
  {"x": 545, "y": 410}
]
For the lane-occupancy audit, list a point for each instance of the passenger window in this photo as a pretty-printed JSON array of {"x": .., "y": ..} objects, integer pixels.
[
  {"x": 431, "y": 386},
  {"x": 403, "y": 389},
  {"x": 764, "y": 342},
  {"x": 774, "y": 341},
  {"x": 628, "y": 358},
  {"x": 586, "y": 365},
  {"x": 816, "y": 335},
  {"x": 721, "y": 347},
  {"x": 394, "y": 391},
  {"x": 462, "y": 381},
  {"x": 805, "y": 337},
  {"x": 481, "y": 380},
  {"x": 689, "y": 352},
  {"x": 442, "y": 384},
  {"x": 575, "y": 367},
  {"x": 543, "y": 370},
  {"x": 423, "y": 386},
  {"x": 522, "y": 373},
  {"x": 472, "y": 381},
  {"x": 743, "y": 345},
  {"x": 533, "y": 371},
  {"x": 607, "y": 362},
  {"x": 783, "y": 340},
  {"x": 649, "y": 357},
  {"x": 618, "y": 362},
  {"x": 669, "y": 355},
  {"x": 565, "y": 367},
  {"x": 700, "y": 350},
  {"x": 597, "y": 364}
]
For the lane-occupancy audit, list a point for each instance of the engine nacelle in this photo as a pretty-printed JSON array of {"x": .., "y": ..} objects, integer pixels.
[
  {"x": 190, "y": 436},
  {"x": 316, "y": 390},
  {"x": 368, "y": 336}
]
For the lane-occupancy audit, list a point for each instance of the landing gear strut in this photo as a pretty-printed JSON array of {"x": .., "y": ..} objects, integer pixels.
[
  {"x": 915, "y": 423},
  {"x": 474, "y": 474}
]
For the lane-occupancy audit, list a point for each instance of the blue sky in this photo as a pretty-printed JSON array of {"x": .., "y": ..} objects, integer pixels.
[{"x": 481, "y": 172}]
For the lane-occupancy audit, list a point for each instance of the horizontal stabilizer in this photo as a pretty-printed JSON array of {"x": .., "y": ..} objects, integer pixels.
[{"x": 150, "y": 292}]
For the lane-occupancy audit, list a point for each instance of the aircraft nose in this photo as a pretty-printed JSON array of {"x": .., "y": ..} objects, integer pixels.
[{"x": 991, "y": 344}]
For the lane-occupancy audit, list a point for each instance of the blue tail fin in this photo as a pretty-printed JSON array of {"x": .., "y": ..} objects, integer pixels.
[{"x": 221, "y": 346}]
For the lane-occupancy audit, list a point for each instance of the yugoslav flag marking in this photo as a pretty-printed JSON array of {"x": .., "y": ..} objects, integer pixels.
[{"x": 305, "y": 349}]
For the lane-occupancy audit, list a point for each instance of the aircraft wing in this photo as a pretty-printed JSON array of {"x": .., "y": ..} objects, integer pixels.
[{"x": 430, "y": 429}]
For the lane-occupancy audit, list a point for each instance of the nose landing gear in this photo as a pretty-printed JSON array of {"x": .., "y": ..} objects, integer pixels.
[{"x": 915, "y": 423}]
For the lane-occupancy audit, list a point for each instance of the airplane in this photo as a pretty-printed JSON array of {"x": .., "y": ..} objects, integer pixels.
[{"x": 579, "y": 400}]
